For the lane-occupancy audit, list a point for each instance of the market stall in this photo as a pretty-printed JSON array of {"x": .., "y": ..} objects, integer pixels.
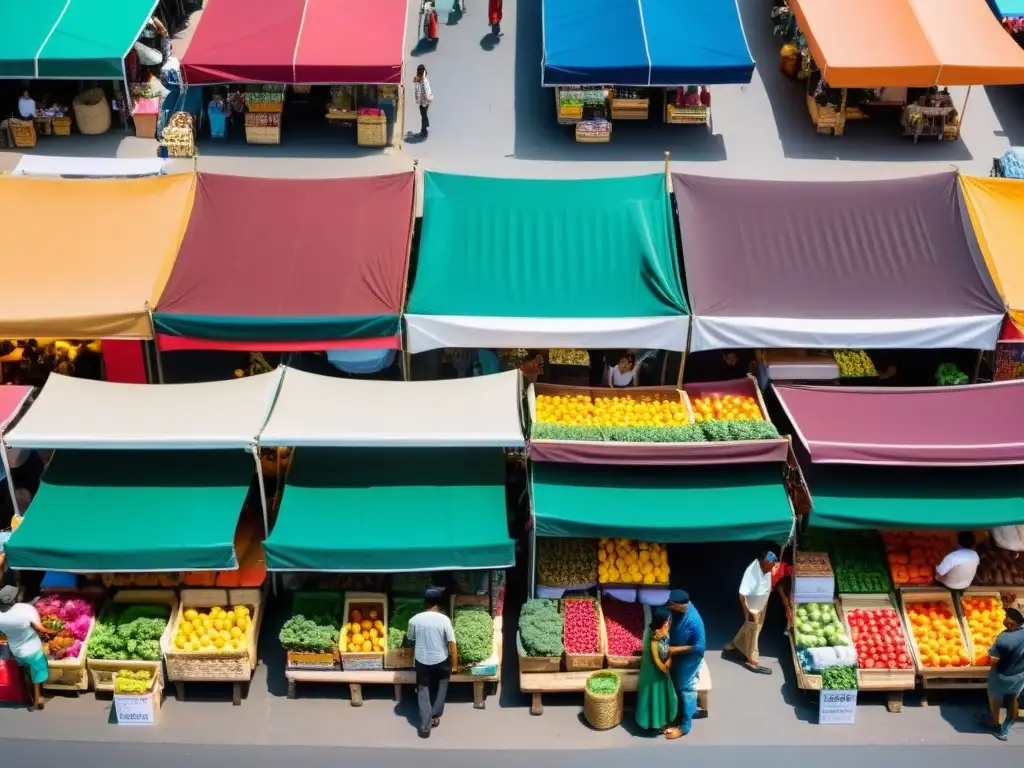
[
  {"x": 89, "y": 167},
  {"x": 330, "y": 274},
  {"x": 184, "y": 455},
  {"x": 877, "y": 284},
  {"x": 378, "y": 458},
  {"x": 354, "y": 51},
  {"x": 592, "y": 265},
  {"x": 625, "y": 60},
  {"x": 941, "y": 43}
]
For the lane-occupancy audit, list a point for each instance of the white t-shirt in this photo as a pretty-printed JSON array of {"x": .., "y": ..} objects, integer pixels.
[
  {"x": 756, "y": 586},
  {"x": 620, "y": 379},
  {"x": 1010, "y": 537},
  {"x": 16, "y": 623},
  {"x": 26, "y": 108},
  {"x": 958, "y": 568},
  {"x": 430, "y": 632}
]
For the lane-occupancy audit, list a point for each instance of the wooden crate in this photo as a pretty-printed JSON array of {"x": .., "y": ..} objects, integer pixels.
[
  {"x": 62, "y": 126},
  {"x": 981, "y": 672},
  {"x": 145, "y": 704},
  {"x": 363, "y": 661},
  {"x": 891, "y": 681},
  {"x": 590, "y": 661},
  {"x": 102, "y": 671},
  {"x": 319, "y": 661},
  {"x": 623, "y": 662},
  {"x": 536, "y": 664},
  {"x": 372, "y": 131},
  {"x": 70, "y": 674},
  {"x": 934, "y": 675},
  {"x": 270, "y": 134}
]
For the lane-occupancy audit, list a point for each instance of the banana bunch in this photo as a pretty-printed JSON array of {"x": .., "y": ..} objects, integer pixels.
[{"x": 854, "y": 364}]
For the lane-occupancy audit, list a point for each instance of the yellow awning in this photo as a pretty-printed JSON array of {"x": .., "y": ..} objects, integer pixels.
[
  {"x": 87, "y": 259},
  {"x": 996, "y": 208}
]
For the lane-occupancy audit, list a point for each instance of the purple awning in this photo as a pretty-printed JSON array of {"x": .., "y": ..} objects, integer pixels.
[
  {"x": 977, "y": 425},
  {"x": 856, "y": 264}
]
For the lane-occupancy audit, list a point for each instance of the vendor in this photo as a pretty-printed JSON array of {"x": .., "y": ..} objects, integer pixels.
[
  {"x": 26, "y": 106},
  {"x": 21, "y": 624},
  {"x": 623, "y": 374},
  {"x": 154, "y": 35},
  {"x": 958, "y": 568}
]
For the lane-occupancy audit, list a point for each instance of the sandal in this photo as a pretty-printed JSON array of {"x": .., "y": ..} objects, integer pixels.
[
  {"x": 673, "y": 733},
  {"x": 758, "y": 669},
  {"x": 435, "y": 722}
]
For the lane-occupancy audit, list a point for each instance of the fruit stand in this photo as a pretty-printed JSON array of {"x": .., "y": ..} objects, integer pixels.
[
  {"x": 938, "y": 643},
  {"x": 874, "y": 625},
  {"x": 139, "y": 615}
]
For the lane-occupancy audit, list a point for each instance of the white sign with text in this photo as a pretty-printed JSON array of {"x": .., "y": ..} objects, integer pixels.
[
  {"x": 135, "y": 710},
  {"x": 837, "y": 707}
]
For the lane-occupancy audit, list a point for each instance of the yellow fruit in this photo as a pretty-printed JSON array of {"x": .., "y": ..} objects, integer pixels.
[
  {"x": 225, "y": 635},
  {"x": 194, "y": 645},
  {"x": 185, "y": 628},
  {"x": 218, "y": 642},
  {"x": 355, "y": 627},
  {"x": 367, "y": 646},
  {"x": 207, "y": 624},
  {"x": 357, "y": 638},
  {"x": 191, "y": 615},
  {"x": 365, "y": 624},
  {"x": 218, "y": 624},
  {"x": 353, "y": 648},
  {"x": 180, "y": 642},
  {"x": 374, "y": 634},
  {"x": 378, "y": 625},
  {"x": 373, "y": 615},
  {"x": 204, "y": 641},
  {"x": 236, "y": 633},
  {"x": 202, "y": 617}
]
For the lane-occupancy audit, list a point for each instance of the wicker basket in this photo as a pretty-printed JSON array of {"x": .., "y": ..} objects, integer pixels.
[
  {"x": 62, "y": 126},
  {"x": 603, "y": 712},
  {"x": 218, "y": 666},
  {"x": 145, "y": 126},
  {"x": 23, "y": 132},
  {"x": 589, "y": 661},
  {"x": 69, "y": 674},
  {"x": 263, "y": 135},
  {"x": 372, "y": 131},
  {"x": 92, "y": 112},
  {"x": 536, "y": 663},
  {"x": 102, "y": 671}
]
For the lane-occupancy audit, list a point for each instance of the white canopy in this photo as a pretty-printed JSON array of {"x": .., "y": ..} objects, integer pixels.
[
  {"x": 324, "y": 411},
  {"x": 99, "y": 415},
  {"x": 89, "y": 167}
]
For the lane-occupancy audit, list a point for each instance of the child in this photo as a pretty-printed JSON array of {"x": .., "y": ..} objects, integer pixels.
[{"x": 657, "y": 705}]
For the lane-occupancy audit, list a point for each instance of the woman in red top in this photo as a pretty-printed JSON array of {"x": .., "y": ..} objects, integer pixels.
[{"x": 781, "y": 571}]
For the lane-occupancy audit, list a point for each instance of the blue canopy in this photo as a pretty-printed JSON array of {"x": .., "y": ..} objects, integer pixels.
[
  {"x": 644, "y": 43},
  {"x": 1009, "y": 8}
]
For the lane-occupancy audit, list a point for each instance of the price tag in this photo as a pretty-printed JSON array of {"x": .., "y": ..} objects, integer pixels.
[
  {"x": 135, "y": 710},
  {"x": 837, "y": 707}
]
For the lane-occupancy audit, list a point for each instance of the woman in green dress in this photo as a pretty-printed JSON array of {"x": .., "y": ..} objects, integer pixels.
[{"x": 657, "y": 705}]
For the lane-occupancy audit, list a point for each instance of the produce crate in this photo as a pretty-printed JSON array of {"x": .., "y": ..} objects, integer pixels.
[
  {"x": 145, "y": 125},
  {"x": 974, "y": 592},
  {"x": 624, "y": 662},
  {"x": 536, "y": 663},
  {"x": 808, "y": 681},
  {"x": 315, "y": 661},
  {"x": 487, "y": 667},
  {"x": 215, "y": 666},
  {"x": 70, "y": 674},
  {"x": 364, "y": 602},
  {"x": 22, "y": 132},
  {"x": 878, "y": 679},
  {"x": 263, "y": 134},
  {"x": 589, "y": 661},
  {"x": 62, "y": 126},
  {"x": 103, "y": 671},
  {"x": 372, "y": 131},
  {"x": 927, "y": 595},
  {"x": 139, "y": 708}
]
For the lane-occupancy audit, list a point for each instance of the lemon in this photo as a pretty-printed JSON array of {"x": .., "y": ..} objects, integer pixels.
[
  {"x": 218, "y": 642},
  {"x": 191, "y": 615},
  {"x": 179, "y": 643},
  {"x": 204, "y": 641},
  {"x": 194, "y": 645},
  {"x": 236, "y": 632}
]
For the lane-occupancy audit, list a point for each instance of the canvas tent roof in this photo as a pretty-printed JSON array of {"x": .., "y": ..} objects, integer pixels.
[
  {"x": 856, "y": 264},
  {"x": 508, "y": 263},
  {"x": 276, "y": 287},
  {"x": 83, "y": 414},
  {"x": 104, "y": 285},
  {"x": 89, "y": 167},
  {"x": 312, "y": 42},
  {"x": 996, "y": 208},
  {"x": 914, "y": 43},
  {"x": 70, "y": 39},
  {"x": 637, "y": 42},
  {"x": 980, "y": 424},
  {"x": 356, "y": 491},
  {"x": 313, "y": 410}
]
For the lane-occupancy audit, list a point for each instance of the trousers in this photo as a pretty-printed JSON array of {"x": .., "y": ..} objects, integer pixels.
[
  {"x": 432, "y": 689},
  {"x": 424, "y": 120}
]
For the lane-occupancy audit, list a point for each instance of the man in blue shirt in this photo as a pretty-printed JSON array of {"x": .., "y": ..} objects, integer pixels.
[{"x": 687, "y": 643}]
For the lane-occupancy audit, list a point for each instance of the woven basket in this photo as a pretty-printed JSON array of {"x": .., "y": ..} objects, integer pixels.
[
  {"x": 145, "y": 126},
  {"x": 263, "y": 135},
  {"x": 92, "y": 112},
  {"x": 603, "y": 712},
  {"x": 62, "y": 126},
  {"x": 23, "y": 132},
  {"x": 372, "y": 131},
  {"x": 221, "y": 666}
]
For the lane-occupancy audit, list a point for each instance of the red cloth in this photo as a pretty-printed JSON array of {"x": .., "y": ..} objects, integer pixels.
[
  {"x": 494, "y": 11},
  {"x": 779, "y": 572},
  {"x": 12, "y": 685}
]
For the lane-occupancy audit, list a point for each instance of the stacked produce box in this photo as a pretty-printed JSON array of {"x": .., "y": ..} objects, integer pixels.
[
  {"x": 129, "y": 635},
  {"x": 912, "y": 556},
  {"x": 820, "y": 641},
  {"x": 857, "y": 559},
  {"x": 540, "y": 638},
  {"x": 363, "y": 638},
  {"x": 310, "y": 637},
  {"x": 632, "y": 563}
]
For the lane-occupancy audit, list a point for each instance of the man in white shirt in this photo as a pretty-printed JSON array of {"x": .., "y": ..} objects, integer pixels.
[
  {"x": 433, "y": 637},
  {"x": 957, "y": 569},
  {"x": 755, "y": 588},
  {"x": 21, "y": 624}
]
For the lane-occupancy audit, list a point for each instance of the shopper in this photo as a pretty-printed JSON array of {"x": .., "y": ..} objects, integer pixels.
[
  {"x": 687, "y": 643},
  {"x": 958, "y": 568},
  {"x": 755, "y": 588},
  {"x": 422, "y": 95},
  {"x": 21, "y": 624},
  {"x": 433, "y": 637},
  {"x": 657, "y": 705},
  {"x": 1006, "y": 678}
]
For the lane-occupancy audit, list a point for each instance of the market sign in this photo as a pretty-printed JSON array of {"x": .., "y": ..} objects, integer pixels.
[{"x": 837, "y": 707}]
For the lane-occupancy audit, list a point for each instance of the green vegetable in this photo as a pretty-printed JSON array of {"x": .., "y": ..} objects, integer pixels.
[
  {"x": 689, "y": 433},
  {"x": 474, "y": 634},
  {"x": 857, "y": 557},
  {"x": 129, "y": 633},
  {"x": 316, "y": 635},
  {"x": 839, "y": 679},
  {"x": 604, "y": 684},
  {"x": 398, "y": 624},
  {"x": 133, "y": 681},
  {"x": 816, "y": 625},
  {"x": 540, "y": 628}
]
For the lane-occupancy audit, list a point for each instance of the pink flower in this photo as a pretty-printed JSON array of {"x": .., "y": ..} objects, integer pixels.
[
  {"x": 75, "y": 649},
  {"x": 79, "y": 628}
]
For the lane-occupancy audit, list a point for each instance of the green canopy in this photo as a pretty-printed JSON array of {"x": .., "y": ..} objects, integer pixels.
[
  {"x": 121, "y": 511},
  {"x": 392, "y": 509},
  {"x": 662, "y": 504},
  {"x": 70, "y": 39},
  {"x": 914, "y": 498},
  {"x": 508, "y": 263}
]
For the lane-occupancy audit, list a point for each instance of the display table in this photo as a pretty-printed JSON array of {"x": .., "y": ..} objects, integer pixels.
[
  {"x": 827, "y": 119},
  {"x": 892, "y": 682}
]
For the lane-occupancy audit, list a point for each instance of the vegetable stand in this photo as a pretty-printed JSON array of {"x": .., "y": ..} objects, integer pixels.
[
  {"x": 892, "y": 681},
  {"x": 817, "y": 628},
  {"x": 74, "y": 619},
  {"x": 133, "y": 616}
]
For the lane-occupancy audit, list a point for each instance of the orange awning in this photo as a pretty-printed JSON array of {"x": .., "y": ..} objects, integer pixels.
[
  {"x": 86, "y": 259},
  {"x": 912, "y": 43}
]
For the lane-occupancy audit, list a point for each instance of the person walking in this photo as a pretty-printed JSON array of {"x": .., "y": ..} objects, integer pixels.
[
  {"x": 1006, "y": 678},
  {"x": 755, "y": 588},
  {"x": 657, "y": 705},
  {"x": 21, "y": 624},
  {"x": 422, "y": 95},
  {"x": 436, "y": 656},
  {"x": 687, "y": 644}
]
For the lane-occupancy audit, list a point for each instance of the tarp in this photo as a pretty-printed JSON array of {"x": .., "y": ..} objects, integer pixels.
[
  {"x": 88, "y": 167},
  {"x": 70, "y": 39},
  {"x": 853, "y": 264},
  {"x": 386, "y": 510},
  {"x": 902, "y": 498},
  {"x": 286, "y": 285},
  {"x": 663, "y": 504},
  {"x": 508, "y": 263},
  {"x": 979, "y": 425},
  {"x": 12, "y": 399},
  {"x": 100, "y": 512},
  {"x": 313, "y": 410},
  {"x": 996, "y": 209},
  {"x": 1010, "y": 8},
  {"x": 71, "y": 268},
  {"x": 914, "y": 43},
  {"x": 639, "y": 42},
  {"x": 101, "y": 415},
  {"x": 298, "y": 41}
]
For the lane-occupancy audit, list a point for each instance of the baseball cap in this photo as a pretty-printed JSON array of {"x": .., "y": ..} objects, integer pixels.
[{"x": 8, "y": 597}]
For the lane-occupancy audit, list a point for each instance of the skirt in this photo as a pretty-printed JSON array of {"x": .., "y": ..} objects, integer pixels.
[
  {"x": 37, "y": 667},
  {"x": 1001, "y": 687},
  {"x": 657, "y": 704}
]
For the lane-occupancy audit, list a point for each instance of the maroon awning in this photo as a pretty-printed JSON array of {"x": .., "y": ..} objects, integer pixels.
[{"x": 974, "y": 425}]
